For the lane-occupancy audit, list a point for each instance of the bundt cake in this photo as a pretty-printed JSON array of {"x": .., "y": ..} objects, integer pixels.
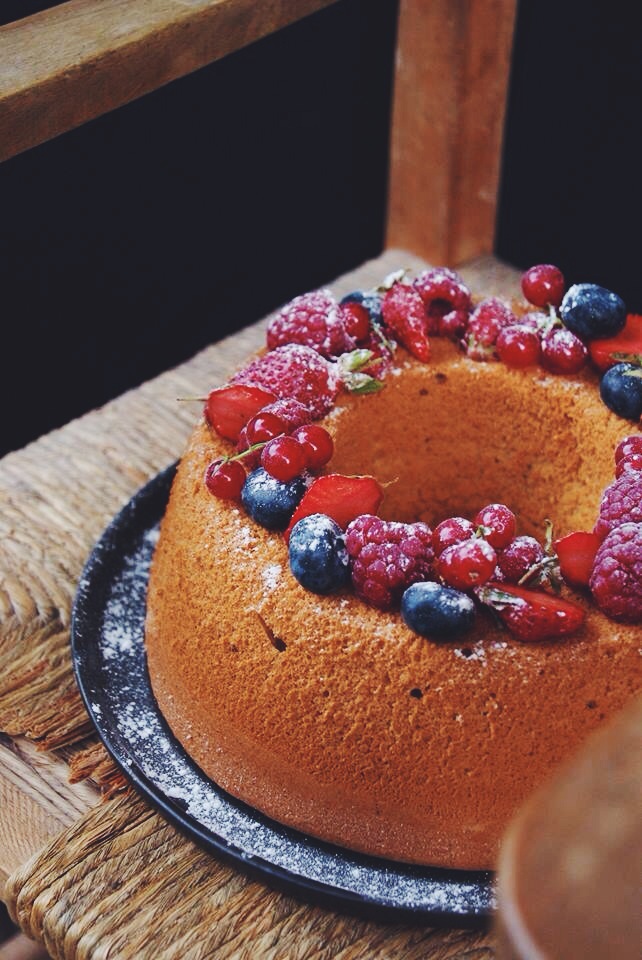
[{"x": 306, "y": 640}]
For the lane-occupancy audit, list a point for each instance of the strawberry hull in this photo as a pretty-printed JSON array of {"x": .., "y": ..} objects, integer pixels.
[{"x": 532, "y": 615}]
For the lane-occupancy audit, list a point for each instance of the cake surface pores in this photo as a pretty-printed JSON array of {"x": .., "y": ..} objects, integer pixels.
[{"x": 335, "y": 718}]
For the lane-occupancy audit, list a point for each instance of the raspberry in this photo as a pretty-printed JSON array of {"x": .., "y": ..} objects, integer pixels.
[
  {"x": 313, "y": 320},
  {"x": 404, "y": 313},
  {"x": 446, "y": 300},
  {"x": 616, "y": 580},
  {"x": 488, "y": 318},
  {"x": 520, "y": 556},
  {"x": 296, "y": 372},
  {"x": 621, "y": 503},
  {"x": 387, "y": 557}
]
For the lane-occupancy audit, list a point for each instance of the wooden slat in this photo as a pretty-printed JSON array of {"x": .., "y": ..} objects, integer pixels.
[
  {"x": 450, "y": 92},
  {"x": 67, "y": 65}
]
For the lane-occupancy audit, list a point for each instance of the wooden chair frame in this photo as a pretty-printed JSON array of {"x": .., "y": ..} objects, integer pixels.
[{"x": 76, "y": 61}]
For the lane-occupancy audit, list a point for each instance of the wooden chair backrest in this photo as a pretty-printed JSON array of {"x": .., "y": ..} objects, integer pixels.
[{"x": 72, "y": 63}]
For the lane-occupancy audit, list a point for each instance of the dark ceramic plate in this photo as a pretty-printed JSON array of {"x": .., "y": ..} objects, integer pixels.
[{"x": 111, "y": 670}]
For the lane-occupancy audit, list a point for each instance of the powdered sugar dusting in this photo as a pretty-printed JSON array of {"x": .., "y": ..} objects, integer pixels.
[
  {"x": 271, "y": 576},
  {"x": 123, "y": 707}
]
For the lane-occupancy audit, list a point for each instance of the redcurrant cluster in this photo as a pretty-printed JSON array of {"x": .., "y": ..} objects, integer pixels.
[
  {"x": 466, "y": 551},
  {"x": 283, "y": 454}
]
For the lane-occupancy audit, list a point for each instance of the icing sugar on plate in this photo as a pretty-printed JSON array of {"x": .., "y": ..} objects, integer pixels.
[{"x": 109, "y": 659}]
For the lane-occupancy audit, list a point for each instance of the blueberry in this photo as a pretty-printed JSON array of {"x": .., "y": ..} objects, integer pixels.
[
  {"x": 440, "y": 613},
  {"x": 621, "y": 390},
  {"x": 271, "y": 502},
  {"x": 318, "y": 555},
  {"x": 371, "y": 301},
  {"x": 591, "y": 312}
]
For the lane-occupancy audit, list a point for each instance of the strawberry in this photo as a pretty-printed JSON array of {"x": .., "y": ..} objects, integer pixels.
[
  {"x": 625, "y": 345},
  {"x": 576, "y": 555},
  {"x": 531, "y": 614},
  {"x": 228, "y": 409},
  {"x": 297, "y": 372},
  {"x": 313, "y": 320},
  {"x": 405, "y": 314},
  {"x": 340, "y": 498}
]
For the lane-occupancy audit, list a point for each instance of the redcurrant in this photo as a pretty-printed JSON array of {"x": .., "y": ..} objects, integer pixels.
[
  {"x": 543, "y": 284},
  {"x": 518, "y": 346},
  {"x": 450, "y": 531},
  {"x": 628, "y": 445},
  {"x": 499, "y": 524},
  {"x": 317, "y": 443},
  {"x": 467, "y": 564},
  {"x": 356, "y": 319},
  {"x": 562, "y": 351},
  {"x": 264, "y": 426},
  {"x": 628, "y": 464},
  {"x": 225, "y": 478},
  {"x": 284, "y": 458}
]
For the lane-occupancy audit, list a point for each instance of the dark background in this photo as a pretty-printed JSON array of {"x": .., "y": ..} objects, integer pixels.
[{"x": 129, "y": 244}]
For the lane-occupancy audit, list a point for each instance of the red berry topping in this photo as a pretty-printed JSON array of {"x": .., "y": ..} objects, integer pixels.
[
  {"x": 518, "y": 346},
  {"x": 627, "y": 344},
  {"x": 282, "y": 416},
  {"x": 519, "y": 558},
  {"x": 616, "y": 580},
  {"x": 499, "y": 524},
  {"x": 387, "y": 557},
  {"x": 576, "y": 555},
  {"x": 628, "y": 446},
  {"x": 404, "y": 313},
  {"x": 313, "y": 320},
  {"x": 450, "y": 531},
  {"x": 532, "y": 614},
  {"x": 264, "y": 426},
  {"x": 446, "y": 300},
  {"x": 467, "y": 564},
  {"x": 317, "y": 443},
  {"x": 629, "y": 464},
  {"x": 356, "y": 320},
  {"x": 225, "y": 479},
  {"x": 562, "y": 351},
  {"x": 229, "y": 408},
  {"x": 296, "y": 372},
  {"x": 340, "y": 498},
  {"x": 283, "y": 458},
  {"x": 489, "y": 317},
  {"x": 543, "y": 284},
  {"x": 621, "y": 503}
]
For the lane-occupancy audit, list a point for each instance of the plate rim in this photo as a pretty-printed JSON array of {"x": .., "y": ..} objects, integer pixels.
[{"x": 310, "y": 890}]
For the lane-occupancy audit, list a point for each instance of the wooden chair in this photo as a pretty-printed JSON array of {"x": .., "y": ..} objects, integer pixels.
[{"x": 78, "y": 60}]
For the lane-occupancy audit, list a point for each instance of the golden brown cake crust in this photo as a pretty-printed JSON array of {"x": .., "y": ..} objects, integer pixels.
[{"x": 335, "y": 718}]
